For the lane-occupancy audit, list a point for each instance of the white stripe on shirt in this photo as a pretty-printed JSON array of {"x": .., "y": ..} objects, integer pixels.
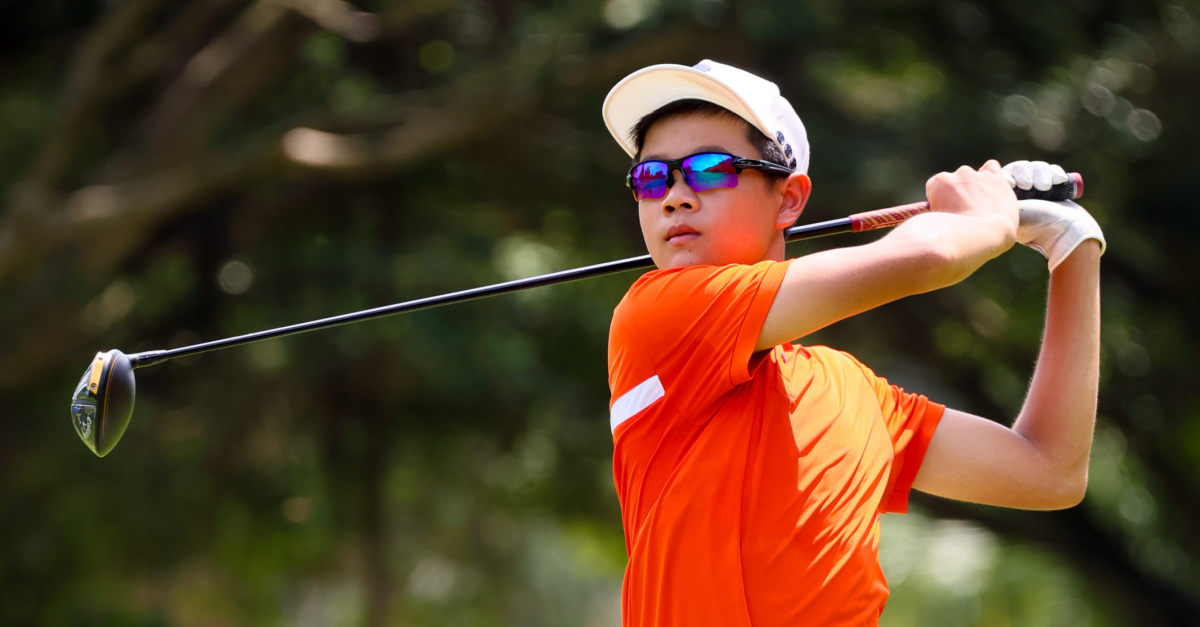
[{"x": 635, "y": 400}]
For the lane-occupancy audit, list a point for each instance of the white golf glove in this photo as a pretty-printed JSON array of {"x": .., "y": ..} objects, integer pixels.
[
  {"x": 1056, "y": 228},
  {"x": 1034, "y": 175},
  {"x": 1053, "y": 228}
]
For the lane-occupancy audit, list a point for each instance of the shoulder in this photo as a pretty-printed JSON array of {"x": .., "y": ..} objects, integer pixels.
[
  {"x": 680, "y": 283},
  {"x": 848, "y": 373},
  {"x": 657, "y": 280},
  {"x": 830, "y": 355},
  {"x": 843, "y": 361},
  {"x": 660, "y": 288}
]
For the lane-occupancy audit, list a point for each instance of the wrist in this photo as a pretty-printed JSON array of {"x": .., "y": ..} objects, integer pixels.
[
  {"x": 1005, "y": 237},
  {"x": 1085, "y": 257},
  {"x": 1005, "y": 230}
]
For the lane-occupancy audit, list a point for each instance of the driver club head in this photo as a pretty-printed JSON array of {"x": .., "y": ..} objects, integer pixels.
[{"x": 103, "y": 401}]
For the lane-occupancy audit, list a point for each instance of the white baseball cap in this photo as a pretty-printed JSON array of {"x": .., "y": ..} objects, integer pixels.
[{"x": 753, "y": 98}]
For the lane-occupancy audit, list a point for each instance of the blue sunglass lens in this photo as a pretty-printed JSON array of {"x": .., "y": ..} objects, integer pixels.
[
  {"x": 650, "y": 180},
  {"x": 709, "y": 171}
]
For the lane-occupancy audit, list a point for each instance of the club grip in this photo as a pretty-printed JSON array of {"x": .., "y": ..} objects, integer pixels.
[
  {"x": 884, "y": 218},
  {"x": 1070, "y": 190}
]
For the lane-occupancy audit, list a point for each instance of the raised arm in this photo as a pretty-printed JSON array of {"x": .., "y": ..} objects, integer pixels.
[
  {"x": 1041, "y": 462},
  {"x": 974, "y": 219}
]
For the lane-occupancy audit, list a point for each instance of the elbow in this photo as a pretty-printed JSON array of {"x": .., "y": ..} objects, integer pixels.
[
  {"x": 1078, "y": 488},
  {"x": 1069, "y": 490},
  {"x": 1072, "y": 497}
]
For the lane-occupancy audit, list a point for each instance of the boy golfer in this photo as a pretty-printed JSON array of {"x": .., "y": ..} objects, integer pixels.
[{"x": 752, "y": 470}]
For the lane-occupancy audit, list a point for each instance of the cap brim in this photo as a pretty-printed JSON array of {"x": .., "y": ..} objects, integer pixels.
[{"x": 644, "y": 91}]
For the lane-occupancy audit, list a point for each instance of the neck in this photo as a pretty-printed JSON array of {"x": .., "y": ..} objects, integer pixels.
[{"x": 777, "y": 251}]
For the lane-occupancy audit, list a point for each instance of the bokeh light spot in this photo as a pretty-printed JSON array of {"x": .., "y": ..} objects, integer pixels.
[
  {"x": 235, "y": 277},
  {"x": 297, "y": 509},
  {"x": 437, "y": 56}
]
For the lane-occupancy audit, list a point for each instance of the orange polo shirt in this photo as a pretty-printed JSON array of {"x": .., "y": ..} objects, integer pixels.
[{"x": 750, "y": 483}]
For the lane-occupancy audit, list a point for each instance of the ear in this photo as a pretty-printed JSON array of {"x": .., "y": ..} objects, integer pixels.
[{"x": 794, "y": 190}]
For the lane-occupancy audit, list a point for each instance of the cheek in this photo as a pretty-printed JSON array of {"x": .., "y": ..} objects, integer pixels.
[
  {"x": 740, "y": 213},
  {"x": 645, "y": 217},
  {"x": 746, "y": 223},
  {"x": 647, "y": 220},
  {"x": 737, "y": 230}
]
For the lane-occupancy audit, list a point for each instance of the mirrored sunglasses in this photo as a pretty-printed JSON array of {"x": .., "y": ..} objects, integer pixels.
[{"x": 702, "y": 172}]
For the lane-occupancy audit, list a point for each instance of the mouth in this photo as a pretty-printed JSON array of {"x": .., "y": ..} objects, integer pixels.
[{"x": 681, "y": 233}]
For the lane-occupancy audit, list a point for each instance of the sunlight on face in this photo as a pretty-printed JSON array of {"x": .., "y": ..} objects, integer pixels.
[{"x": 715, "y": 227}]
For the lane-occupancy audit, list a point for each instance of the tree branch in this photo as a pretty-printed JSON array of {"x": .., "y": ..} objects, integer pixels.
[
  {"x": 86, "y": 87},
  {"x": 100, "y": 225}
]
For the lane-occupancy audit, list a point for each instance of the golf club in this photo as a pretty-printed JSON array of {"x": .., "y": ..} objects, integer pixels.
[{"x": 103, "y": 401}]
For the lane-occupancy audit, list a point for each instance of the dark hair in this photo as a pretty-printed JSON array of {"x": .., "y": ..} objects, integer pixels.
[{"x": 767, "y": 150}]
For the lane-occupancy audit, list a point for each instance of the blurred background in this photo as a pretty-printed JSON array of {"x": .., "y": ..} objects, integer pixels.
[{"x": 179, "y": 170}]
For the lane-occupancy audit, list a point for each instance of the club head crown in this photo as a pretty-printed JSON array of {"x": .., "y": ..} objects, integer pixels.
[{"x": 103, "y": 401}]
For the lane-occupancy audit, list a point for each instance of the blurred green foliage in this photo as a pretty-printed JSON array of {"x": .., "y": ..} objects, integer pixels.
[{"x": 178, "y": 170}]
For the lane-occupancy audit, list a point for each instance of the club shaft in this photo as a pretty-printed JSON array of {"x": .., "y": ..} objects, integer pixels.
[
  {"x": 880, "y": 218},
  {"x": 141, "y": 360}
]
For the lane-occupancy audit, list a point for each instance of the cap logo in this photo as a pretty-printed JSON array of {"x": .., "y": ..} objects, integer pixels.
[{"x": 703, "y": 67}]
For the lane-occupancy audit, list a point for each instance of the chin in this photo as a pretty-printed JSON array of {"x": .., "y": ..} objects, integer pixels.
[{"x": 684, "y": 259}]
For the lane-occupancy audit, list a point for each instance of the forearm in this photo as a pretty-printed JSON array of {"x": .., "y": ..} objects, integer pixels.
[
  {"x": 822, "y": 288},
  {"x": 1060, "y": 410},
  {"x": 960, "y": 244}
]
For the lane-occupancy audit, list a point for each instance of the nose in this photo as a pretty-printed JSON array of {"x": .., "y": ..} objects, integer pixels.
[{"x": 679, "y": 195}]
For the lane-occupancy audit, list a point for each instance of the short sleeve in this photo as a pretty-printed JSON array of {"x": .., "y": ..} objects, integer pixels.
[
  {"x": 911, "y": 420},
  {"x": 697, "y": 327}
]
